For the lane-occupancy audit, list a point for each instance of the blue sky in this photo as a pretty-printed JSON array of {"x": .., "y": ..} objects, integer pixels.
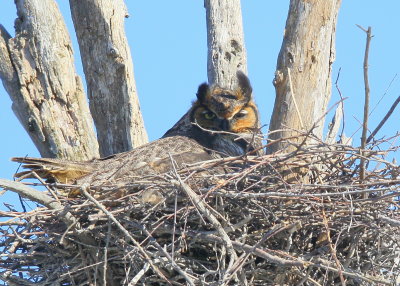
[{"x": 169, "y": 50}]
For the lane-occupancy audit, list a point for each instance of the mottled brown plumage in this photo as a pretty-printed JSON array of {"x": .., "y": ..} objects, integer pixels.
[
  {"x": 221, "y": 122},
  {"x": 221, "y": 119}
]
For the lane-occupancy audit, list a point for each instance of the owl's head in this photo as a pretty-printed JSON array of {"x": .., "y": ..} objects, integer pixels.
[
  {"x": 223, "y": 120},
  {"x": 228, "y": 110}
]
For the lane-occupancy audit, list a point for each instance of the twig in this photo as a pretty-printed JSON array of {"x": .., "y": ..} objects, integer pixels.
[
  {"x": 390, "y": 221},
  {"x": 30, "y": 193},
  {"x": 250, "y": 249},
  {"x": 47, "y": 186},
  {"x": 383, "y": 121},
  {"x": 106, "y": 253},
  {"x": 45, "y": 200},
  {"x": 216, "y": 224},
  {"x": 125, "y": 231},
  {"x": 367, "y": 278},
  {"x": 170, "y": 259},
  {"x": 333, "y": 250},
  {"x": 366, "y": 103},
  {"x": 174, "y": 228},
  {"x": 139, "y": 275},
  {"x": 384, "y": 94},
  {"x": 338, "y": 117}
]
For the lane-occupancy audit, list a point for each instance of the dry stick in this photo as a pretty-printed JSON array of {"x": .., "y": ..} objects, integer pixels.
[
  {"x": 106, "y": 253},
  {"x": 46, "y": 186},
  {"x": 30, "y": 193},
  {"x": 139, "y": 275},
  {"x": 366, "y": 103},
  {"x": 43, "y": 199},
  {"x": 342, "y": 104},
  {"x": 370, "y": 279},
  {"x": 388, "y": 220},
  {"x": 125, "y": 231},
  {"x": 203, "y": 209},
  {"x": 306, "y": 277},
  {"x": 275, "y": 230},
  {"x": 333, "y": 249},
  {"x": 281, "y": 193},
  {"x": 376, "y": 105},
  {"x": 384, "y": 94},
  {"x": 166, "y": 254},
  {"x": 174, "y": 228},
  {"x": 392, "y": 108},
  {"x": 251, "y": 249}
]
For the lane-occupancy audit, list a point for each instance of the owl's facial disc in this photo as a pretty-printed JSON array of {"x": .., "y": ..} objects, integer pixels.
[{"x": 242, "y": 121}]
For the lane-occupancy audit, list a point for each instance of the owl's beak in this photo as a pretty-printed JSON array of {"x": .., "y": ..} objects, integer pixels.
[{"x": 225, "y": 125}]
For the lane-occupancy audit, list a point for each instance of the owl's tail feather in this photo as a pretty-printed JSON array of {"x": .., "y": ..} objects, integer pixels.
[{"x": 53, "y": 169}]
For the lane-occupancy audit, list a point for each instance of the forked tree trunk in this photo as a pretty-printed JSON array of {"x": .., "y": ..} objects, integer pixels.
[
  {"x": 38, "y": 72},
  {"x": 303, "y": 75},
  {"x": 226, "y": 49},
  {"x": 108, "y": 68}
]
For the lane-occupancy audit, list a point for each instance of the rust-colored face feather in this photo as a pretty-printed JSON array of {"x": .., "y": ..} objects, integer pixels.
[{"x": 222, "y": 109}]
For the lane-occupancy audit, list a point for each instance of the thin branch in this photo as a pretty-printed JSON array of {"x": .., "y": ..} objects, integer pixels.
[
  {"x": 383, "y": 121},
  {"x": 366, "y": 102},
  {"x": 217, "y": 225},
  {"x": 332, "y": 248},
  {"x": 43, "y": 199},
  {"x": 125, "y": 231},
  {"x": 390, "y": 221}
]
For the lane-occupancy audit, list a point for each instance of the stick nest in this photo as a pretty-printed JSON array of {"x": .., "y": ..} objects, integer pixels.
[{"x": 303, "y": 218}]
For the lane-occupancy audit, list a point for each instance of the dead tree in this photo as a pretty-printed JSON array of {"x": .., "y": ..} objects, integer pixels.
[
  {"x": 38, "y": 72},
  {"x": 108, "y": 68},
  {"x": 225, "y": 40},
  {"x": 303, "y": 73},
  {"x": 54, "y": 97}
]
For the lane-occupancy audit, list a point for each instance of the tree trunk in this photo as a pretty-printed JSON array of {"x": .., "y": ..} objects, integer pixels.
[
  {"x": 108, "y": 69},
  {"x": 226, "y": 56},
  {"x": 37, "y": 70},
  {"x": 226, "y": 49},
  {"x": 303, "y": 76}
]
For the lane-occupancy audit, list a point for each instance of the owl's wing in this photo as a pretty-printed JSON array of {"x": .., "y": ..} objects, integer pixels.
[
  {"x": 153, "y": 158},
  {"x": 62, "y": 171}
]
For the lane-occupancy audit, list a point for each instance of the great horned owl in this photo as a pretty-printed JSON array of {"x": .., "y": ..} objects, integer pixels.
[
  {"x": 221, "y": 122},
  {"x": 221, "y": 119}
]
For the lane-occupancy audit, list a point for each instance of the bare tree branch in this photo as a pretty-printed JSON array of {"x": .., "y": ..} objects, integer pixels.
[
  {"x": 366, "y": 103},
  {"x": 383, "y": 121}
]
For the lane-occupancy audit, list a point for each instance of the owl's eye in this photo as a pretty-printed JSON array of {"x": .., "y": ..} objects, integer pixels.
[
  {"x": 241, "y": 113},
  {"x": 208, "y": 115}
]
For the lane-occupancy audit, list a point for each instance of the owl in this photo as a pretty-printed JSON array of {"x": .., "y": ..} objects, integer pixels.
[{"x": 220, "y": 123}]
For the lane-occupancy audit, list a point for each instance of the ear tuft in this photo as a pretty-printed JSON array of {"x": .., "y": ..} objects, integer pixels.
[
  {"x": 244, "y": 84},
  {"x": 202, "y": 92}
]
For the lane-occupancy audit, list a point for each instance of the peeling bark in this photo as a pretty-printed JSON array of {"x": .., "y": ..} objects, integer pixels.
[
  {"x": 37, "y": 70},
  {"x": 307, "y": 54},
  {"x": 108, "y": 69}
]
